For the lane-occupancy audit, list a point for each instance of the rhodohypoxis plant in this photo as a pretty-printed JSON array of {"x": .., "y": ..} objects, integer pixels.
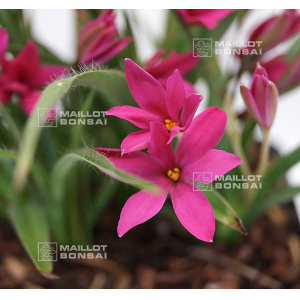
[
  {"x": 261, "y": 101},
  {"x": 98, "y": 41},
  {"x": 174, "y": 172},
  {"x": 156, "y": 104},
  {"x": 45, "y": 191},
  {"x": 24, "y": 75}
]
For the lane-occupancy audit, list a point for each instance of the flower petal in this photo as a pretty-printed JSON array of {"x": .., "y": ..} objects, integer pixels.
[
  {"x": 49, "y": 73},
  {"x": 145, "y": 89},
  {"x": 216, "y": 162},
  {"x": 141, "y": 207},
  {"x": 174, "y": 131},
  {"x": 250, "y": 103},
  {"x": 134, "y": 141},
  {"x": 193, "y": 210},
  {"x": 29, "y": 101},
  {"x": 3, "y": 43},
  {"x": 139, "y": 117},
  {"x": 136, "y": 163},
  {"x": 258, "y": 90},
  {"x": 189, "y": 109},
  {"x": 158, "y": 146},
  {"x": 203, "y": 134},
  {"x": 175, "y": 95}
]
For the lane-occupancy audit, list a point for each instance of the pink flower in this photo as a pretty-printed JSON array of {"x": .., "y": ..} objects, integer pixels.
[
  {"x": 3, "y": 44},
  {"x": 207, "y": 17},
  {"x": 283, "y": 72},
  {"x": 161, "y": 69},
  {"x": 174, "y": 171},
  {"x": 98, "y": 41},
  {"x": 25, "y": 76},
  {"x": 157, "y": 104},
  {"x": 277, "y": 29},
  {"x": 262, "y": 98}
]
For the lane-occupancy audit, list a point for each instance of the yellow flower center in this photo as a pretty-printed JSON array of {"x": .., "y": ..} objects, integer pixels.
[
  {"x": 174, "y": 174},
  {"x": 170, "y": 124}
]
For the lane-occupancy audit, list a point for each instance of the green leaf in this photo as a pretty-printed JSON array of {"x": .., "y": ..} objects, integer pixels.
[
  {"x": 276, "y": 197},
  {"x": 30, "y": 223},
  {"x": 223, "y": 211},
  {"x": 278, "y": 170},
  {"x": 110, "y": 82},
  {"x": 101, "y": 162}
]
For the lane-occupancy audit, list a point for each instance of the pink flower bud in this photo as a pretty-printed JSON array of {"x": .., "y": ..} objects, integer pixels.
[{"x": 262, "y": 98}]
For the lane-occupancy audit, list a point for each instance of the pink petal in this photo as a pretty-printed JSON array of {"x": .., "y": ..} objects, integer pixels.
[
  {"x": 271, "y": 104},
  {"x": 175, "y": 95},
  {"x": 145, "y": 89},
  {"x": 3, "y": 43},
  {"x": 29, "y": 101},
  {"x": 259, "y": 70},
  {"x": 208, "y": 17},
  {"x": 141, "y": 207},
  {"x": 104, "y": 16},
  {"x": 106, "y": 51},
  {"x": 189, "y": 109},
  {"x": 49, "y": 73},
  {"x": 189, "y": 88},
  {"x": 258, "y": 90},
  {"x": 158, "y": 146},
  {"x": 193, "y": 210},
  {"x": 136, "y": 163},
  {"x": 184, "y": 62},
  {"x": 250, "y": 103},
  {"x": 134, "y": 141},
  {"x": 174, "y": 131},
  {"x": 203, "y": 134},
  {"x": 216, "y": 162},
  {"x": 139, "y": 117},
  {"x": 28, "y": 60}
]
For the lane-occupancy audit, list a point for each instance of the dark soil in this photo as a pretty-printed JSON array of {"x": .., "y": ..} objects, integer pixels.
[{"x": 158, "y": 255}]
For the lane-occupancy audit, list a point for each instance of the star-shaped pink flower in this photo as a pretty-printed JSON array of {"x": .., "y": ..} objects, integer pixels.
[
  {"x": 168, "y": 106},
  {"x": 174, "y": 172},
  {"x": 98, "y": 41},
  {"x": 25, "y": 76}
]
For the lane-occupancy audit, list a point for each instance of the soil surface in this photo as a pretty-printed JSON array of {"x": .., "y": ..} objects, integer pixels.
[{"x": 159, "y": 256}]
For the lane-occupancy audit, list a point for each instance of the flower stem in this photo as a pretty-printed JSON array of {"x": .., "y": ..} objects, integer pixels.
[
  {"x": 235, "y": 137},
  {"x": 264, "y": 154}
]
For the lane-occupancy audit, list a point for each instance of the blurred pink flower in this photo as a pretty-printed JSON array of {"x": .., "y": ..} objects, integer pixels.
[
  {"x": 207, "y": 17},
  {"x": 277, "y": 29},
  {"x": 162, "y": 68},
  {"x": 283, "y": 72},
  {"x": 98, "y": 41},
  {"x": 174, "y": 171},
  {"x": 3, "y": 44},
  {"x": 25, "y": 76},
  {"x": 262, "y": 98},
  {"x": 157, "y": 104}
]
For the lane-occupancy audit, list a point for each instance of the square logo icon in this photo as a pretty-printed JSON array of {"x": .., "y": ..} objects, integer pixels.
[
  {"x": 202, "y": 47},
  {"x": 47, "y": 117},
  {"x": 202, "y": 181},
  {"x": 47, "y": 251}
]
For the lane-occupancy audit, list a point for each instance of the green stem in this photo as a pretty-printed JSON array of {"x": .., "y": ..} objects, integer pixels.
[
  {"x": 10, "y": 122},
  {"x": 264, "y": 154},
  {"x": 235, "y": 138}
]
